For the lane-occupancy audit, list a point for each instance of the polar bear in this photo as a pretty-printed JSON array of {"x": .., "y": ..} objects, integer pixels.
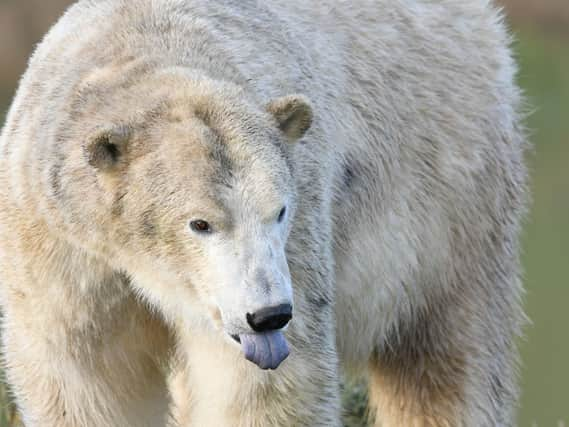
[{"x": 212, "y": 210}]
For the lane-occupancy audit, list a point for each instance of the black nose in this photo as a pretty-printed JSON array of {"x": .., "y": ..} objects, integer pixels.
[{"x": 270, "y": 318}]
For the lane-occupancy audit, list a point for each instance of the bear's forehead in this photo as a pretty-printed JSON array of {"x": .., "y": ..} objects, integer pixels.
[{"x": 221, "y": 153}]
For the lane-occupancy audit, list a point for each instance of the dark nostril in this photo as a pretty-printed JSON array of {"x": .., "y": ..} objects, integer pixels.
[{"x": 270, "y": 318}]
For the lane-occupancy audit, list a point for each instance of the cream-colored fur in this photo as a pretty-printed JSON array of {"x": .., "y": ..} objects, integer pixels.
[{"x": 388, "y": 129}]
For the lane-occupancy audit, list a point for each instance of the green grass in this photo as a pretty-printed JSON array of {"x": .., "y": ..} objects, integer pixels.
[
  {"x": 545, "y": 400},
  {"x": 545, "y": 77}
]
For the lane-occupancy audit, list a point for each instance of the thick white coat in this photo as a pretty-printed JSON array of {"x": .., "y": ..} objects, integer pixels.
[{"x": 407, "y": 194}]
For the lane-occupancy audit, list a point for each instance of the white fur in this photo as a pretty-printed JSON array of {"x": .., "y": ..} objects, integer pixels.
[{"x": 400, "y": 246}]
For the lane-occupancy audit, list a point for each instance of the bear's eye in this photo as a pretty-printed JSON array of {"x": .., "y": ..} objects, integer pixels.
[
  {"x": 200, "y": 226},
  {"x": 282, "y": 214}
]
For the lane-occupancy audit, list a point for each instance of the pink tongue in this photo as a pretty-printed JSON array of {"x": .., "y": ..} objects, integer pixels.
[{"x": 266, "y": 350}]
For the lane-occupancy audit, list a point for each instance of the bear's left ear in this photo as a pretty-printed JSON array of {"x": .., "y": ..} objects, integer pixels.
[
  {"x": 293, "y": 114},
  {"x": 105, "y": 150}
]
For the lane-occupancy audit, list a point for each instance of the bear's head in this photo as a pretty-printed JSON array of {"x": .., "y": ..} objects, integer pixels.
[{"x": 196, "y": 183}]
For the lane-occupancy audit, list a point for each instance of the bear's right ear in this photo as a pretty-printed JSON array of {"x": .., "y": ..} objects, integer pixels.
[
  {"x": 293, "y": 114},
  {"x": 106, "y": 150}
]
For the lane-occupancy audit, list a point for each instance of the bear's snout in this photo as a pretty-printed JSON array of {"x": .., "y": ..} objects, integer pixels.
[{"x": 270, "y": 318}]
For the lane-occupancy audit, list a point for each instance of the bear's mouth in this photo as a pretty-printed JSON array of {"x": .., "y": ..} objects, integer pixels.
[{"x": 267, "y": 350}]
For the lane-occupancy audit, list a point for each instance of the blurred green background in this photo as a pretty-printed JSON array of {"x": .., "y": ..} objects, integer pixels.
[{"x": 542, "y": 48}]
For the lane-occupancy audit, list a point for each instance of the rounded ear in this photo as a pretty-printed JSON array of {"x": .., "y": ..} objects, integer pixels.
[
  {"x": 105, "y": 150},
  {"x": 293, "y": 114}
]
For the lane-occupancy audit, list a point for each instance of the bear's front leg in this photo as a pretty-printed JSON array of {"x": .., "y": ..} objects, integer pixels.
[
  {"x": 216, "y": 386},
  {"x": 80, "y": 352}
]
